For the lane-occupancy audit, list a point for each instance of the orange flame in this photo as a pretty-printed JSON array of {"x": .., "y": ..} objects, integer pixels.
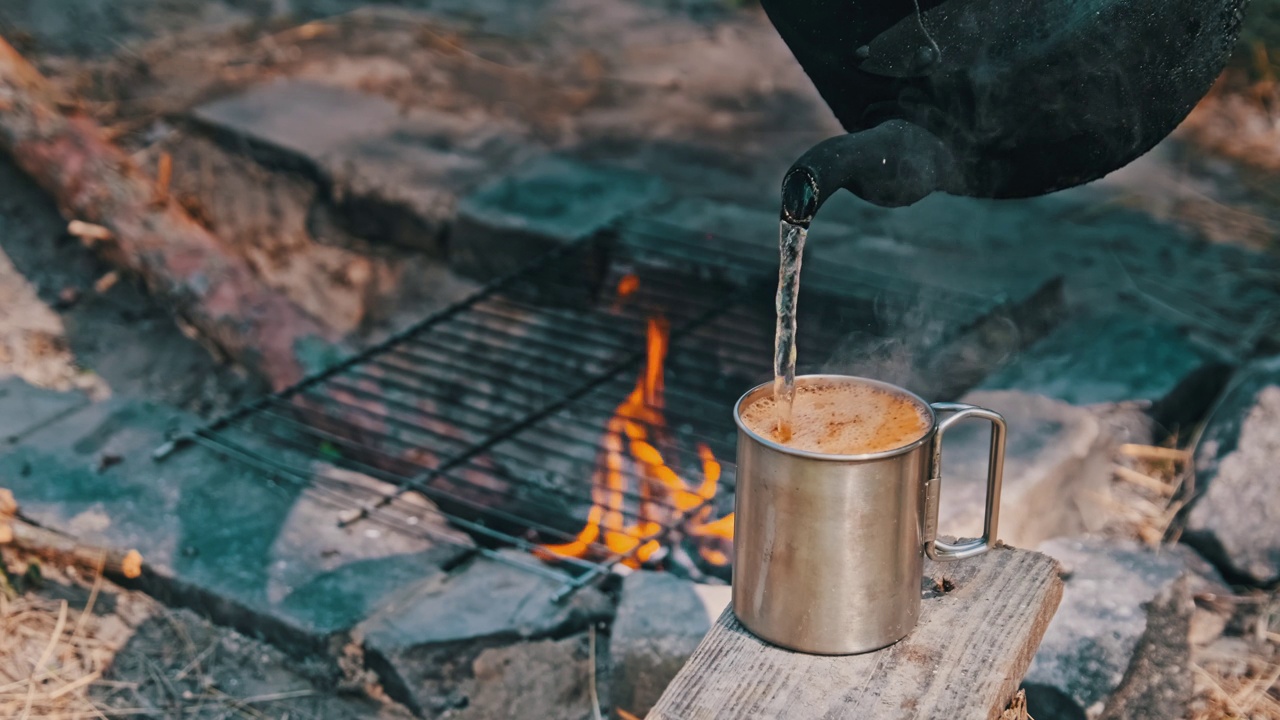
[
  {"x": 627, "y": 285},
  {"x": 628, "y": 436}
]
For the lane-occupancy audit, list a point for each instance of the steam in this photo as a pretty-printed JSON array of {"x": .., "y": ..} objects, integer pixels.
[{"x": 913, "y": 343}]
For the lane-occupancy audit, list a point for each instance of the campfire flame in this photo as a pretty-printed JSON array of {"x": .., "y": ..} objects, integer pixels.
[{"x": 631, "y": 439}]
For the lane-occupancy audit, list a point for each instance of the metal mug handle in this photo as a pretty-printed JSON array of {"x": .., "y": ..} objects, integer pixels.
[{"x": 944, "y": 551}]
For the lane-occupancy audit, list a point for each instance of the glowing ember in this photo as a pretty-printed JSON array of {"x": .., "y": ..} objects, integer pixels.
[
  {"x": 627, "y": 285},
  {"x": 631, "y": 438}
]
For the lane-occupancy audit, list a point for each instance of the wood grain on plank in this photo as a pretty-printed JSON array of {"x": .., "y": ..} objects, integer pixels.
[{"x": 965, "y": 659}]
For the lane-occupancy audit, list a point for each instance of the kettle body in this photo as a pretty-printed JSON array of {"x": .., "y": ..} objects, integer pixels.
[{"x": 1005, "y": 98}]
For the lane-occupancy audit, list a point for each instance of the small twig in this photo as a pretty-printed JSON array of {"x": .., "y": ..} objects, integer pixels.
[
  {"x": 1153, "y": 452},
  {"x": 1258, "y": 689},
  {"x": 164, "y": 174},
  {"x": 1017, "y": 709},
  {"x": 591, "y": 655},
  {"x": 1216, "y": 688},
  {"x": 106, "y": 282},
  {"x": 8, "y": 505},
  {"x": 237, "y": 705},
  {"x": 89, "y": 233},
  {"x": 273, "y": 697},
  {"x": 175, "y": 697},
  {"x": 44, "y": 657},
  {"x": 93, "y": 598},
  {"x": 62, "y": 548},
  {"x": 75, "y": 685},
  {"x": 1141, "y": 480},
  {"x": 195, "y": 661}
]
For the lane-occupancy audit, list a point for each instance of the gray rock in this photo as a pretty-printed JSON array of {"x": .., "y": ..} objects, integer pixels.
[
  {"x": 1158, "y": 683},
  {"x": 753, "y": 229},
  {"x": 1118, "y": 646},
  {"x": 1236, "y": 520},
  {"x": 1111, "y": 256},
  {"x": 543, "y": 679},
  {"x": 1119, "y": 360},
  {"x": 424, "y": 640},
  {"x": 25, "y": 408},
  {"x": 215, "y": 535},
  {"x": 661, "y": 619},
  {"x": 395, "y": 175},
  {"x": 1214, "y": 601},
  {"x": 552, "y": 201},
  {"x": 950, "y": 318},
  {"x": 1057, "y": 467}
]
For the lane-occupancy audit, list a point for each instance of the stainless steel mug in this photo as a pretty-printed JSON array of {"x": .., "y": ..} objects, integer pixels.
[{"x": 828, "y": 549}]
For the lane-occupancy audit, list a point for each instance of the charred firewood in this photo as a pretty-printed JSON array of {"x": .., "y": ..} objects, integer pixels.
[{"x": 214, "y": 294}]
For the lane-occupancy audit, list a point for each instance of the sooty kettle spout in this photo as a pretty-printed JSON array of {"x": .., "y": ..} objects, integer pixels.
[{"x": 893, "y": 164}]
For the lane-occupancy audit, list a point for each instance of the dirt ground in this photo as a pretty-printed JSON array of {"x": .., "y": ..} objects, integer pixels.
[{"x": 82, "y": 647}]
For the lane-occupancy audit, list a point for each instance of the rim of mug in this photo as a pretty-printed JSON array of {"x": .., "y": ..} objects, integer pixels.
[{"x": 841, "y": 379}]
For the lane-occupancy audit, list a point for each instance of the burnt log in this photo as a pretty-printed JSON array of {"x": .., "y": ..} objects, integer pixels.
[{"x": 213, "y": 293}]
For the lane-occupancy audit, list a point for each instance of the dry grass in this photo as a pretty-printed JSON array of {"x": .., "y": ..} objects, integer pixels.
[
  {"x": 1239, "y": 676},
  {"x": 1149, "y": 488},
  {"x": 66, "y": 661},
  {"x": 51, "y": 655}
]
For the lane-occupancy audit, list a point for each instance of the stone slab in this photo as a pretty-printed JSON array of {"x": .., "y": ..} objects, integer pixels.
[
  {"x": 977, "y": 279},
  {"x": 1235, "y": 522},
  {"x": 1057, "y": 470},
  {"x": 1119, "y": 359},
  {"x": 1110, "y": 255},
  {"x": 754, "y": 229},
  {"x": 214, "y": 534},
  {"x": 1119, "y": 646},
  {"x": 661, "y": 619},
  {"x": 395, "y": 175},
  {"x": 424, "y": 640},
  {"x": 26, "y": 408},
  {"x": 844, "y": 259},
  {"x": 931, "y": 320},
  {"x": 948, "y": 318},
  {"x": 552, "y": 201}
]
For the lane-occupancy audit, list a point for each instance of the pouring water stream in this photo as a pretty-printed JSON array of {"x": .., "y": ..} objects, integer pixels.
[{"x": 791, "y": 249}]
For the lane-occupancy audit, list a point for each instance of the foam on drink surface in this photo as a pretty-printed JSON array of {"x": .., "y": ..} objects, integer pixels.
[{"x": 841, "y": 419}]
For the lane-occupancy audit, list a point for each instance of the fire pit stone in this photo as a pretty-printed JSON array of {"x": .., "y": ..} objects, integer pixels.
[
  {"x": 1119, "y": 645},
  {"x": 661, "y": 619},
  {"x": 394, "y": 176},
  {"x": 28, "y": 408},
  {"x": 1057, "y": 461},
  {"x": 1119, "y": 360},
  {"x": 551, "y": 201},
  {"x": 1234, "y": 521},
  {"x": 429, "y": 640},
  {"x": 260, "y": 557}
]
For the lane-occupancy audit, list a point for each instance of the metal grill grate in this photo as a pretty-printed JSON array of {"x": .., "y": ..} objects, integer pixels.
[{"x": 494, "y": 408}]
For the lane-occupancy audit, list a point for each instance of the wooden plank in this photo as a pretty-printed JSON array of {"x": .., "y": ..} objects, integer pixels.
[{"x": 965, "y": 659}]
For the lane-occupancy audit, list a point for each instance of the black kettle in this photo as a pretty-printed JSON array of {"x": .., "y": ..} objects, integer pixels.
[{"x": 994, "y": 98}]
